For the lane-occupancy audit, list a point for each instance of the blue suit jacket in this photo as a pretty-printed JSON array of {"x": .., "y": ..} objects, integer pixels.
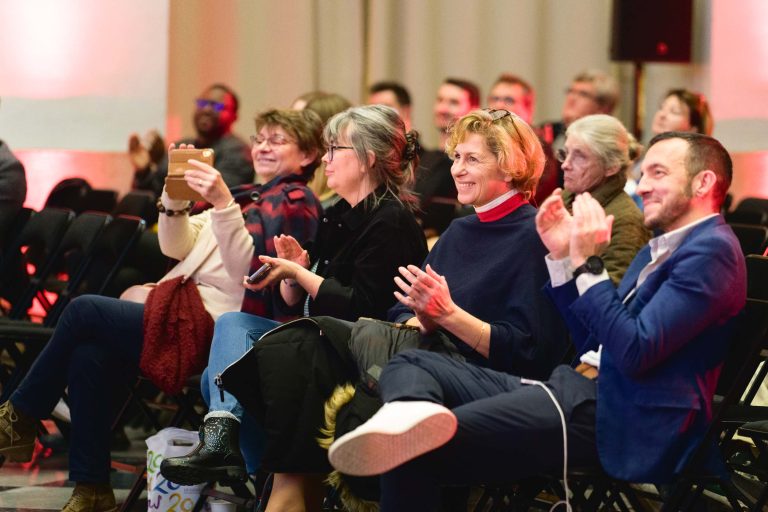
[{"x": 662, "y": 351}]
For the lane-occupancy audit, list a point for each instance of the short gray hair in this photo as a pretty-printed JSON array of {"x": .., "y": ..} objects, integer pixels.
[
  {"x": 380, "y": 130},
  {"x": 608, "y": 139}
]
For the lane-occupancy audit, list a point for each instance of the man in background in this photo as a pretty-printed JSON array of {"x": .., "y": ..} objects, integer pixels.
[
  {"x": 435, "y": 186},
  {"x": 510, "y": 92},
  {"x": 590, "y": 92},
  {"x": 392, "y": 94},
  {"x": 215, "y": 112}
]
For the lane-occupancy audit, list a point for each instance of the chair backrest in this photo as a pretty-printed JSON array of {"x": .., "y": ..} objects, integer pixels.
[
  {"x": 70, "y": 264},
  {"x": 69, "y": 193},
  {"x": 140, "y": 203},
  {"x": 750, "y": 210},
  {"x": 34, "y": 247},
  {"x": 99, "y": 200},
  {"x": 7, "y": 238},
  {"x": 757, "y": 272},
  {"x": 109, "y": 254},
  {"x": 752, "y": 238}
]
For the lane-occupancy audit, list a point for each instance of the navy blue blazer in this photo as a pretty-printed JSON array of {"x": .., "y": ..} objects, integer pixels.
[{"x": 662, "y": 351}]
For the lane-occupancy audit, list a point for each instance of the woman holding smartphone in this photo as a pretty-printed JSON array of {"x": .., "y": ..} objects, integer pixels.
[
  {"x": 98, "y": 341},
  {"x": 347, "y": 273}
]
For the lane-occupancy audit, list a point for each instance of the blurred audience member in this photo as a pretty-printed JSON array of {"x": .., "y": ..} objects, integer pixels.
[
  {"x": 392, "y": 94},
  {"x": 13, "y": 188},
  {"x": 215, "y": 112},
  {"x": 680, "y": 111},
  {"x": 325, "y": 105},
  {"x": 590, "y": 92},
  {"x": 435, "y": 187},
  {"x": 512, "y": 93}
]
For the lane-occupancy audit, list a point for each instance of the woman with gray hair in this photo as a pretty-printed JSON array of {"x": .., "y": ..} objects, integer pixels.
[
  {"x": 347, "y": 273},
  {"x": 597, "y": 154}
]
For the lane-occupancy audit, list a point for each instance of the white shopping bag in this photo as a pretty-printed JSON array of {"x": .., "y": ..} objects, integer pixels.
[{"x": 162, "y": 495}]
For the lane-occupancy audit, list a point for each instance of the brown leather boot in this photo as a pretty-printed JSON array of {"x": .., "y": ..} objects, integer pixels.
[
  {"x": 91, "y": 498},
  {"x": 17, "y": 434}
]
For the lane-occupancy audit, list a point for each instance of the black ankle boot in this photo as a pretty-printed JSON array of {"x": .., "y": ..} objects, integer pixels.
[{"x": 216, "y": 459}]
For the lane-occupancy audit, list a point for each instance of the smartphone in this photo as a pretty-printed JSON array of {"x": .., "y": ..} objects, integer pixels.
[
  {"x": 259, "y": 274},
  {"x": 175, "y": 184}
]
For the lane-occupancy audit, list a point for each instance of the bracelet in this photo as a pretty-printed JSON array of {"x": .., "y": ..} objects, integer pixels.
[
  {"x": 479, "y": 338},
  {"x": 162, "y": 209}
]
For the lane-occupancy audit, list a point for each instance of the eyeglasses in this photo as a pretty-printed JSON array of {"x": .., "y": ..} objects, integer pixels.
[
  {"x": 332, "y": 148},
  {"x": 578, "y": 92},
  {"x": 508, "y": 100},
  {"x": 578, "y": 159},
  {"x": 273, "y": 141},
  {"x": 216, "y": 106},
  {"x": 501, "y": 113}
]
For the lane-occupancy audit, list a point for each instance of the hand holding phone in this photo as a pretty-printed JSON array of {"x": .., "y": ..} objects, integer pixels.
[
  {"x": 260, "y": 274},
  {"x": 175, "y": 184}
]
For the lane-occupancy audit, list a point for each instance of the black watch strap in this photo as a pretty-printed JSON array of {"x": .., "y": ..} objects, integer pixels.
[{"x": 594, "y": 265}]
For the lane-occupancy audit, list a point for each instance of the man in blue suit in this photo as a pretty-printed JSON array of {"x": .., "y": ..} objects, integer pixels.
[{"x": 639, "y": 398}]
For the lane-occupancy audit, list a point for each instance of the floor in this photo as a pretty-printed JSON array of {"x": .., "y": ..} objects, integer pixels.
[{"x": 42, "y": 483}]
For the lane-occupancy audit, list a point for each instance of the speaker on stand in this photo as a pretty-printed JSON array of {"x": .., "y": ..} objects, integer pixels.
[{"x": 650, "y": 31}]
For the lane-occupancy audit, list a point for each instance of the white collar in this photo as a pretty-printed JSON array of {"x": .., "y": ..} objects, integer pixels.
[{"x": 496, "y": 202}]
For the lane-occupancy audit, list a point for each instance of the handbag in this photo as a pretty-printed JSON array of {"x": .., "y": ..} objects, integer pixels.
[{"x": 177, "y": 334}]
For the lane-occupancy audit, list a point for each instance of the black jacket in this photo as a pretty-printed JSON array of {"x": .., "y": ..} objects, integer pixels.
[{"x": 357, "y": 252}]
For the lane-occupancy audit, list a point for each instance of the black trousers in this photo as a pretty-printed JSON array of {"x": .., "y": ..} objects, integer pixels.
[{"x": 507, "y": 430}]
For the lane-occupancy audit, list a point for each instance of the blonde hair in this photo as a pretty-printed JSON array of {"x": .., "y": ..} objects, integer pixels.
[{"x": 514, "y": 144}]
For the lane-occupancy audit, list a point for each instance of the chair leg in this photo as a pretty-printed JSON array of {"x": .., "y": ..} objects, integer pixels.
[{"x": 135, "y": 493}]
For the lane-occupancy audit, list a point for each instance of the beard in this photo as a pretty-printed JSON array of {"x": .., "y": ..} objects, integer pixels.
[{"x": 672, "y": 210}]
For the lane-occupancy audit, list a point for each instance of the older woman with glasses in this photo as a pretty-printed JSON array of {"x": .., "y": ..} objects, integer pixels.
[
  {"x": 99, "y": 341},
  {"x": 597, "y": 154},
  {"x": 347, "y": 273}
]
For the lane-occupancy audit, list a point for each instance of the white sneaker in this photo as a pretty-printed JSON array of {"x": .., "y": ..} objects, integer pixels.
[{"x": 397, "y": 433}]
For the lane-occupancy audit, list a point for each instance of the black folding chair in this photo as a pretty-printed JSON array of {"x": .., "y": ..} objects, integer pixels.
[
  {"x": 140, "y": 203},
  {"x": 99, "y": 200},
  {"x": 752, "y": 238},
  {"x": 32, "y": 249},
  {"x": 98, "y": 263},
  {"x": 14, "y": 230},
  {"x": 69, "y": 193},
  {"x": 750, "y": 210}
]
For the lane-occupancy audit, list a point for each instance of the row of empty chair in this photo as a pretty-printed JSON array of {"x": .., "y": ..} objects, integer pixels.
[
  {"x": 53, "y": 257},
  {"x": 76, "y": 194}
]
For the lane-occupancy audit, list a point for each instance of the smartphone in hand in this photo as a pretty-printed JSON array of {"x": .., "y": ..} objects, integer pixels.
[
  {"x": 175, "y": 184},
  {"x": 260, "y": 274}
]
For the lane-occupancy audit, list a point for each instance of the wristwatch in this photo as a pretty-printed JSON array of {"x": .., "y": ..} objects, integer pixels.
[{"x": 594, "y": 265}]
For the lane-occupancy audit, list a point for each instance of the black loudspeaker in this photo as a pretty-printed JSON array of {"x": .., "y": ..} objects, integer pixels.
[{"x": 652, "y": 30}]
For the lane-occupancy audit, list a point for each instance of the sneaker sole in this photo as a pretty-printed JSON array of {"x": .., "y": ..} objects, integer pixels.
[
  {"x": 374, "y": 453},
  {"x": 191, "y": 475}
]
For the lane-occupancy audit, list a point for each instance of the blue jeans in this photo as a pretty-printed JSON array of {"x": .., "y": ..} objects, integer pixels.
[
  {"x": 96, "y": 345},
  {"x": 233, "y": 335}
]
